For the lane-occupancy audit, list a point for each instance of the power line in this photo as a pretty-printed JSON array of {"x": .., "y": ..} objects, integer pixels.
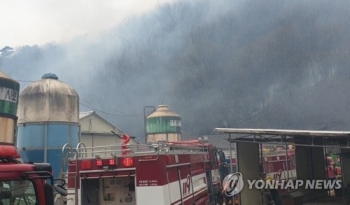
[
  {"x": 25, "y": 81},
  {"x": 101, "y": 107},
  {"x": 107, "y": 113}
]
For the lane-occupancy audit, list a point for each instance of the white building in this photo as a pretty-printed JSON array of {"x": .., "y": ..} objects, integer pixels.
[{"x": 96, "y": 131}]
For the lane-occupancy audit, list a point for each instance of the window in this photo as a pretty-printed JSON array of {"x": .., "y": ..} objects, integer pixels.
[
  {"x": 21, "y": 192},
  {"x": 175, "y": 123}
]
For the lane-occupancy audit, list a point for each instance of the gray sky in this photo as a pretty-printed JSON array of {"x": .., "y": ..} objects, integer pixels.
[{"x": 29, "y": 22}]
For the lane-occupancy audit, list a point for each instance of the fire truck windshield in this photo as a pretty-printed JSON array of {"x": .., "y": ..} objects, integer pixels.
[{"x": 17, "y": 192}]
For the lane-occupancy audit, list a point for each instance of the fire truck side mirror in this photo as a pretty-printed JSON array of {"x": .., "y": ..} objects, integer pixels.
[{"x": 60, "y": 189}]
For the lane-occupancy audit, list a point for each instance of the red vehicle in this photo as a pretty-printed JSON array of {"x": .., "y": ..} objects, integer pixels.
[
  {"x": 25, "y": 183},
  {"x": 277, "y": 164},
  {"x": 183, "y": 172}
]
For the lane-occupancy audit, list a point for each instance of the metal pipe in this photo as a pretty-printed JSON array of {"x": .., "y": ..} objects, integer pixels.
[
  {"x": 107, "y": 171},
  {"x": 312, "y": 170},
  {"x": 190, "y": 171},
  {"x": 326, "y": 163},
  {"x": 45, "y": 143},
  {"x": 342, "y": 175},
  {"x": 237, "y": 169},
  {"x": 261, "y": 170},
  {"x": 65, "y": 157},
  {"x": 262, "y": 158},
  {"x": 144, "y": 120},
  {"x": 92, "y": 145},
  {"x": 231, "y": 163},
  {"x": 79, "y": 133},
  {"x": 70, "y": 134},
  {"x": 287, "y": 165},
  {"x": 181, "y": 191},
  {"x": 116, "y": 134},
  {"x": 77, "y": 155}
]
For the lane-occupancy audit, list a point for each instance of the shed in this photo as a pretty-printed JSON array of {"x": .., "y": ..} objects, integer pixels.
[{"x": 96, "y": 130}]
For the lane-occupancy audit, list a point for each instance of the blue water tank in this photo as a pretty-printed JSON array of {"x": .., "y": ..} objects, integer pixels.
[{"x": 48, "y": 118}]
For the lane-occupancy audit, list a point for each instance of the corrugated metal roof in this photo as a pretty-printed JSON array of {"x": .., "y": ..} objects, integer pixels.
[{"x": 309, "y": 133}]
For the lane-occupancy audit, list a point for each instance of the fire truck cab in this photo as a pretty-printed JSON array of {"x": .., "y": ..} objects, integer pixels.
[
  {"x": 25, "y": 184},
  {"x": 184, "y": 172}
]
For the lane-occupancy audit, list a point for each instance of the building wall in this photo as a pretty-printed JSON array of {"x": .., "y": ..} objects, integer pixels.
[{"x": 93, "y": 123}]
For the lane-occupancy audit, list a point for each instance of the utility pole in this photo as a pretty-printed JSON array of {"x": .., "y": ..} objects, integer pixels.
[{"x": 144, "y": 120}]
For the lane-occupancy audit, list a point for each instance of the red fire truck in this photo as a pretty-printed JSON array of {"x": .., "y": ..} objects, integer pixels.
[
  {"x": 166, "y": 173},
  {"x": 29, "y": 184}
]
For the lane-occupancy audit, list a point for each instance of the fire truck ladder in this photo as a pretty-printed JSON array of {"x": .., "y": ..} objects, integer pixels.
[
  {"x": 158, "y": 148},
  {"x": 68, "y": 153}
]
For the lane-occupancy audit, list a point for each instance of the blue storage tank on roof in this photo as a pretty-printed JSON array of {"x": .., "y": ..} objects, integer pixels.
[{"x": 48, "y": 118}]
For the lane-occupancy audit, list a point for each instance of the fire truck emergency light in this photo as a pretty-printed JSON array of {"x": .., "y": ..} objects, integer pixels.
[
  {"x": 111, "y": 162},
  {"x": 128, "y": 162},
  {"x": 99, "y": 163},
  {"x": 8, "y": 151},
  {"x": 106, "y": 162}
]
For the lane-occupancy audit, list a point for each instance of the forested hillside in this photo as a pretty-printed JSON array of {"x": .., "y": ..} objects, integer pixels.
[{"x": 217, "y": 63}]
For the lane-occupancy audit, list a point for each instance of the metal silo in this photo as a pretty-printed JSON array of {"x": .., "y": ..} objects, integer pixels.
[
  {"x": 48, "y": 118},
  {"x": 163, "y": 125},
  {"x": 9, "y": 90}
]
